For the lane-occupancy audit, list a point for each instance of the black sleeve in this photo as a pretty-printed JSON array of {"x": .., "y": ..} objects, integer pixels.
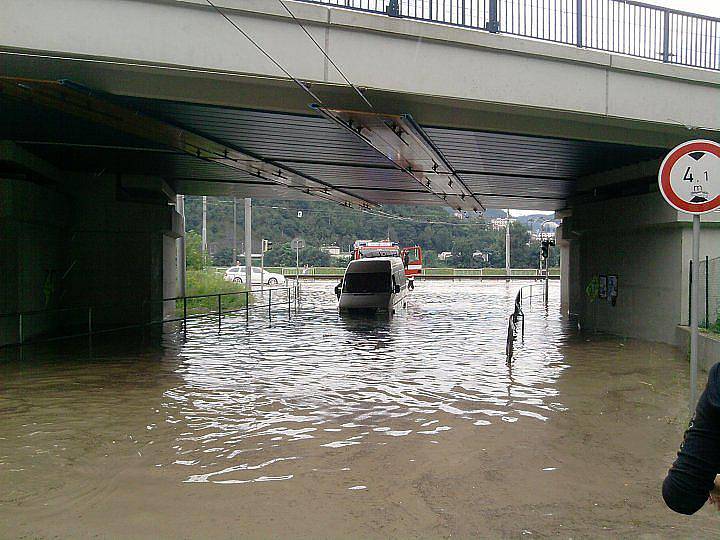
[{"x": 691, "y": 478}]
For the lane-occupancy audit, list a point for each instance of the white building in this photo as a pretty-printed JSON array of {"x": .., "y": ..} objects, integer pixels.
[{"x": 333, "y": 251}]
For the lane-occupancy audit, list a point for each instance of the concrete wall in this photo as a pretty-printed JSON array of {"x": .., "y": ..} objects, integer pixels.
[
  {"x": 647, "y": 245},
  {"x": 82, "y": 245},
  {"x": 34, "y": 224}
]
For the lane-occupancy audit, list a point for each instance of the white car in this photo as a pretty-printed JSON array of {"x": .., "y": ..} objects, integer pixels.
[{"x": 237, "y": 274}]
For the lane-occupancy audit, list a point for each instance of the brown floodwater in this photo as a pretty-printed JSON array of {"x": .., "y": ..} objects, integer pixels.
[{"x": 315, "y": 425}]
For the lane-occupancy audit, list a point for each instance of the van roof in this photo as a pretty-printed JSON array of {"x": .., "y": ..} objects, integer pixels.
[{"x": 374, "y": 264}]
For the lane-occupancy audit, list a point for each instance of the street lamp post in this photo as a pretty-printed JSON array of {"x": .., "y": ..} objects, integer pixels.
[
  {"x": 248, "y": 243},
  {"x": 234, "y": 261},
  {"x": 507, "y": 247}
]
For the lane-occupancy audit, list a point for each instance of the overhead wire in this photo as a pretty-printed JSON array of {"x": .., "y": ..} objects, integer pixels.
[
  {"x": 376, "y": 213},
  {"x": 327, "y": 56},
  {"x": 297, "y": 81}
]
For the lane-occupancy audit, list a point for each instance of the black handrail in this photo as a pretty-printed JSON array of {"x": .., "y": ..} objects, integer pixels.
[
  {"x": 619, "y": 26},
  {"x": 517, "y": 315},
  {"x": 292, "y": 294}
]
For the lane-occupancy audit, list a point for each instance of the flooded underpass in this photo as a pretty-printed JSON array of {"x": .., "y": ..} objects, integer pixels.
[{"x": 314, "y": 425}]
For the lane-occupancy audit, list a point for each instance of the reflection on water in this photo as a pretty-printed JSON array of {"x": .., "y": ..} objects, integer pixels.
[{"x": 248, "y": 404}]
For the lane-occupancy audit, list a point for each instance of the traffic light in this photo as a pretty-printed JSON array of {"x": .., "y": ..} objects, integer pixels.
[
  {"x": 545, "y": 248},
  {"x": 266, "y": 245}
]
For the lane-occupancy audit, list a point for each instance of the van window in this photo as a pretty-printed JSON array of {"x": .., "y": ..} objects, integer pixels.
[{"x": 372, "y": 282}]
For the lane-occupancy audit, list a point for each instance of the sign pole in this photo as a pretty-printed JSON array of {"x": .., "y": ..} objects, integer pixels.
[
  {"x": 695, "y": 299},
  {"x": 297, "y": 263},
  {"x": 248, "y": 243},
  {"x": 689, "y": 180}
]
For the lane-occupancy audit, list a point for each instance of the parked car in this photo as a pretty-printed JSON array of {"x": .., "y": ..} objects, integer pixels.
[{"x": 237, "y": 274}]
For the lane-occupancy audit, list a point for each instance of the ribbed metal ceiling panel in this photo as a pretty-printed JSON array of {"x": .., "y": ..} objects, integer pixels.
[
  {"x": 346, "y": 176},
  {"x": 517, "y": 184},
  {"x": 398, "y": 197},
  {"x": 274, "y": 136},
  {"x": 488, "y": 153},
  {"x": 166, "y": 164},
  {"x": 266, "y": 191},
  {"x": 504, "y": 170}
]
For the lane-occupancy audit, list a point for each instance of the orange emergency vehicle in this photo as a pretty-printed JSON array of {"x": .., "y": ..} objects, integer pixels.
[{"x": 411, "y": 256}]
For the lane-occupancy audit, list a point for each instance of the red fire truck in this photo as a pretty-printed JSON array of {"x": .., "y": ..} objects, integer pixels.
[{"x": 411, "y": 256}]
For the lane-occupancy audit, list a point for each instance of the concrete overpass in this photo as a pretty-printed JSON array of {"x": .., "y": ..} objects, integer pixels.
[{"x": 90, "y": 164}]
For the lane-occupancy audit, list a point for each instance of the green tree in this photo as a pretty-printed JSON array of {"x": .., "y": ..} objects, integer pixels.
[
  {"x": 327, "y": 223},
  {"x": 193, "y": 251}
]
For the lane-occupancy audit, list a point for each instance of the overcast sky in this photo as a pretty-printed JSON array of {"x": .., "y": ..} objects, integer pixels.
[{"x": 706, "y": 7}]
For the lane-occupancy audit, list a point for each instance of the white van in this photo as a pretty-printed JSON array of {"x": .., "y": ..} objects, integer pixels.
[{"x": 376, "y": 284}]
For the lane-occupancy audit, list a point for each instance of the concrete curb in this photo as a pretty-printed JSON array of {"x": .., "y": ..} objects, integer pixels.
[{"x": 709, "y": 347}]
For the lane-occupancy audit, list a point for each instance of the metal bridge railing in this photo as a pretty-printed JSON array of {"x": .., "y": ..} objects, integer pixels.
[
  {"x": 619, "y": 26},
  {"x": 87, "y": 320}
]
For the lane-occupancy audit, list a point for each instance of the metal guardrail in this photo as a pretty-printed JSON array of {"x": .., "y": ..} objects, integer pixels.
[
  {"x": 709, "y": 315},
  {"x": 188, "y": 312},
  {"x": 619, "y": 26},
  {"x": 338, "y": 271},
  {"x": 525, "y": 293}
]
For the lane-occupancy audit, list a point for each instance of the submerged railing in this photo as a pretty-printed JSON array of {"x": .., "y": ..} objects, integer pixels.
[
  {"x": 618, "y": 26},
  {"x": 525, "y": 293},
  {"x": 83, "y": 321}
]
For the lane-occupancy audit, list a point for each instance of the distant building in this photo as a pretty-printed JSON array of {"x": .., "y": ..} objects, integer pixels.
[
  {"x": 545, "y": 235},
  {"x": 444, "y": 255},
  {"x": 330, "y": 250}
]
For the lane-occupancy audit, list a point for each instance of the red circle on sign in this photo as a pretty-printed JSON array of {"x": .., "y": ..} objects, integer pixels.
[{"x": 664, "y": 177}]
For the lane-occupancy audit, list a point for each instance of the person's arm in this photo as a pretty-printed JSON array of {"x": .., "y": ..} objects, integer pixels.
[{"x": 691, "y": 478}]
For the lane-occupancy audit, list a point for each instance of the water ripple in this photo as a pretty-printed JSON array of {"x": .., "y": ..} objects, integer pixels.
[{"x": 247, "y": 404}]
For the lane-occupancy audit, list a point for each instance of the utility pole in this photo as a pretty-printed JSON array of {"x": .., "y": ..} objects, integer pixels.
[
  {"x": 507, "y": 248},
  {"x": 234, "y": 261},
  {"x": 203, "y": 246},
  {"x": 248, "y": 243},
  {"x": 546, "y": 243},
  {"x": 181, "y": 260}
]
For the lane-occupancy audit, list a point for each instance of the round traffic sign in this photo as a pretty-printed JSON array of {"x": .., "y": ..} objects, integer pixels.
[{"x": 689, "y": 177}]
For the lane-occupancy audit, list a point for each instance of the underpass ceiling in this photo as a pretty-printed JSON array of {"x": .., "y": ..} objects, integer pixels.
[{"x": 503, "y": 170}]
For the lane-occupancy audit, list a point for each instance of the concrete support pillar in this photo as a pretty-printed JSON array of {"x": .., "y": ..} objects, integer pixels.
[
  {"x": 563, "y": 245},
  {"x": 105, "y": 243},
  {"x": 647, "y": 245},
  {"x": 34, "y": 262}
]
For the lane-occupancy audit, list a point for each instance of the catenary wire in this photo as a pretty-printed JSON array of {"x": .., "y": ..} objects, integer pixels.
[
  {"x": 380, "y": 214},
  {"x": 327, "y": 56},
  {"x": 264, "y": 52}
]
